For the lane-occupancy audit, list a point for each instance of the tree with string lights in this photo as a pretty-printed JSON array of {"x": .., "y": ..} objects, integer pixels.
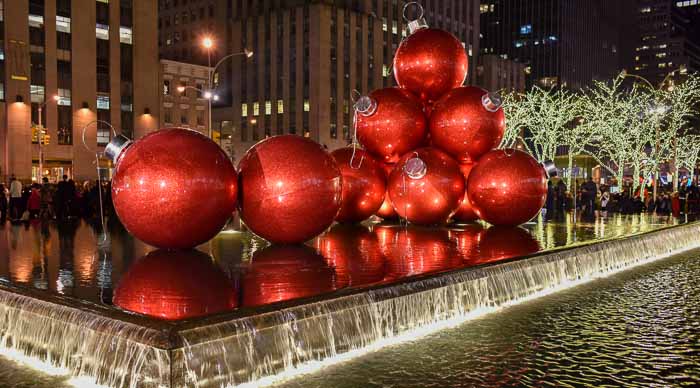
[
  {"x": 538, "y": 119},
  {"x": 680, "y": 103}
]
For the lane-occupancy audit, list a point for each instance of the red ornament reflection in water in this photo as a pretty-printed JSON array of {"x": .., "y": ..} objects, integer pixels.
[
  {"x": 174, "y": 285},
  {"x": 284, "y": 272},
  {"x": 290, "y": 189},
  {"x": 174, "y": 188},
  {"x": 503, "y": 242},
  {"x": 416, "y": 250},
  {"x": 354, "y": 253},
  {"x": 467, "y": 238}
]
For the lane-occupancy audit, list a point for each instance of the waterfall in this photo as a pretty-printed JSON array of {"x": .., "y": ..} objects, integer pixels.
[
  {"x": 263, "y": 348},
  {"x": 258, "y": 346},
  {"x": 112, "y": 352}
]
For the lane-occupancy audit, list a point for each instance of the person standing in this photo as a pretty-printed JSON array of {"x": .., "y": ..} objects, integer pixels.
[
  {"x": 588, "y": 195},
  {"x": 34, "y": 202},
  {"x": 3, "y": 204},
  {"x": 61, "y": 198},
  {"x": 561, "y": 197},
  {"x": 15, "y": 199},
  {"x": 46, "y": 199},
  {"x": 604, "y": 200}
]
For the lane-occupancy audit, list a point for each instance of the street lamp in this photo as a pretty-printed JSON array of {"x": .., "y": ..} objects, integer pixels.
[
  {"x": 41, "y": 138},
  {"x": 208, "y": 44}
]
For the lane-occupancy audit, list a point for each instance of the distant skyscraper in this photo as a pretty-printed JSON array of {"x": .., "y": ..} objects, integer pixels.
[
  {"x": 565, "y": 43},
  {"x": 668, "y": 38}
]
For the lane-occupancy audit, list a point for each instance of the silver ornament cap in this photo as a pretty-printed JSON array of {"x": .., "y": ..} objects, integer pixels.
[
  {"x": 550, "y": 168},
  {"x": 366, "y": 105},
  {"x": 491, "y": 101},
  {"x": 116, "y": 146},
  {"x": 415, "y": 168}
]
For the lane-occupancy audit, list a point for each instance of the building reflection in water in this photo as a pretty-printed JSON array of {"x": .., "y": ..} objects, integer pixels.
[{"x": 66, "y": 259}]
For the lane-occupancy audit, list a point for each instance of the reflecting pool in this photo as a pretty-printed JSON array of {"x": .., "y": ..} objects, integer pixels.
[{"x": 237, "y": 269}]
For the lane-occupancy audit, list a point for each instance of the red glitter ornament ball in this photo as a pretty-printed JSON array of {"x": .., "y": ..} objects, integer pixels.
[
  {"x": 175, "y": 285},
  {"x": 284, "y": 272},
  {"x": 430, "y": 62},
  {"x": 467, "y": 123},
  {"x": 466, "y": 212},
  {"x": 390, "y": 122},
  {"x": 426, "y": 187},
  {"x": 364, "y": 184},
  {"x": 507, "y": 187},
  {"x": 354, "y": 253},
  {"x": 290, "y": 189},
  {"x": 174, "y": 188}
]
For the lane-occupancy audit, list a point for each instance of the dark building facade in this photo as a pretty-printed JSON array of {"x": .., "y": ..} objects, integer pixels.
[
  {"x": 566, "y": 43},
  {"x": 182, "y": 24},
  {"x": 668, "y": 38}
]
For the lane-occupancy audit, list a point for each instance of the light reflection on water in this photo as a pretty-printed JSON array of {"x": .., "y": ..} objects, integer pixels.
[
  {"x": 640, "y": 328},
  {"x": 65, "y": 259}
]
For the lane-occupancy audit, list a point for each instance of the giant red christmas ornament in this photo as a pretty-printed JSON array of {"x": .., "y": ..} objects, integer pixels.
[
  {"x": 417, "y": 250},
  {"x": 507, "y": 187},
  {"x": 426, "y": 187},
  {"x": 390, "y": 122},
  {"x": 467, "y": 122},
  {"x": 354, "y": 253},
  {"x": 284, "y": 272},
  {"x": 503, "y": 242},
  {"x": 290, "y": 189},
  {"x": 466, "y": 212},
  {"x": 174, "y": 188},
  {"x": 364, "y": 184},
  {"x": 430, "y": 62},
  {"x": 175, "y": 285}
]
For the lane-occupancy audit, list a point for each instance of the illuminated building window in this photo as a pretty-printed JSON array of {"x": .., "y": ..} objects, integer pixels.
[
  {"x": 280, "y": 106},
  {"x": 256, "y": 109},
  {"x": 244, "y": 110},
  {"x": 268, "y": 108}
]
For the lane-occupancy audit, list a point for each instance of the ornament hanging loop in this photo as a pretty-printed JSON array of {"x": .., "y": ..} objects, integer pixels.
[
  {"x": 103, "y": 239},
  {"x": 84, "y": 131},
  {"x": 417, "y": 23},
  {"x": 362, "y": 105}
]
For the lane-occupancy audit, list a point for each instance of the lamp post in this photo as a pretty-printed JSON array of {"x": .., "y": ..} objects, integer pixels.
[
  {"x": 208, "y": 44},
  {"x": 659, "y": 110},
  {"x": 41, "y": 139}
]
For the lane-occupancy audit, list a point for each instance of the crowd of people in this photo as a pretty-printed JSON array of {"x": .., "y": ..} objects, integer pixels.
[
  {"x": 592, "y": 199},
  {"x": 48, "y": 201}
]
